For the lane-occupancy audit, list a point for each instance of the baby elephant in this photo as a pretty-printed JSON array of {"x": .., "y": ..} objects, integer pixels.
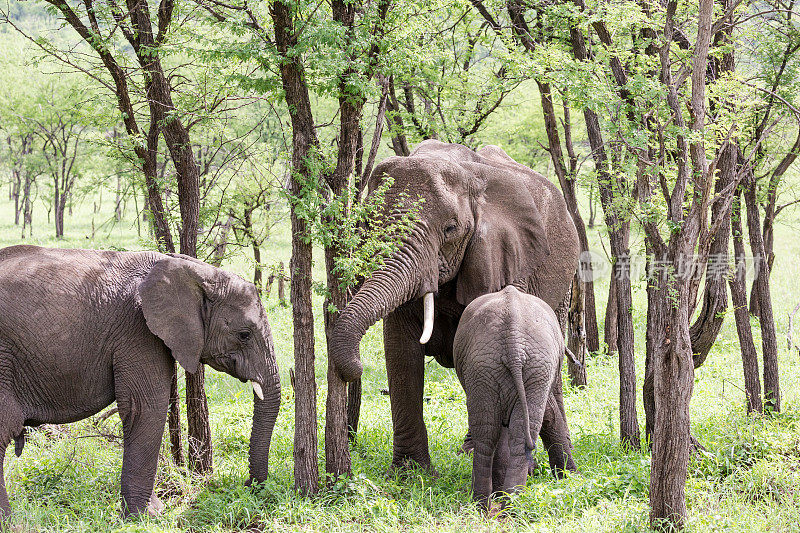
[
  {"x": 507, "y": 353},
  {"x": 80, "y": 329}
]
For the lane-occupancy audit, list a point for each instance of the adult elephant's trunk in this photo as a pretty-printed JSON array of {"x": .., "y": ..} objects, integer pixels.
[
  {"x": 265, "y": 412},
  {"x": 398, "y": 282}
]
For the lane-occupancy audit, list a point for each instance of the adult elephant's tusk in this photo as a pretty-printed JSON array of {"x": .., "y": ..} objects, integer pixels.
[
  {"x": 257, "y": 389},
  {"x": 428, "y": 328}
]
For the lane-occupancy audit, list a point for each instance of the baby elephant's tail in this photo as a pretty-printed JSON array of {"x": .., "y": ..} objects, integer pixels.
[{"x": 516, "y": 372}]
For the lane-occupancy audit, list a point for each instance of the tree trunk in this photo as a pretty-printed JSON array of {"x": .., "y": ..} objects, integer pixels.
[
  {"x": 618, "y": 236},
  {"x": 176, "y": 136},
  {"x": 27, "y": 206},
  {"x": 769, "y": 342},
  {"x": 306, "y": 473},
  {"x": 221, "y": 244},
  {"x": 629, "y": 424},
  {"x": 175, "y": 446},
  {"x": 258, "y": 273},
  {"x": 576, "y": 340},
  {"x": 201, "y": 459},
  {"x": 118, "y": 200},
  {"x": 353, "y": 408},
  {"x": 281, "y": 285},
  {"x": 673, "y": 374},
  {"x": 304, "y": 145},
  {"x": 738, "y": 284},
  {"x": 566, "y": 179},
  {"x": 610, "y": 326}
]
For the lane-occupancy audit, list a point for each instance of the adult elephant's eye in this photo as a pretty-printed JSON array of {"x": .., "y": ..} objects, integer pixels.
[
  {"x": 244, "y": 336},
  {"x": 450, "y": 230}
]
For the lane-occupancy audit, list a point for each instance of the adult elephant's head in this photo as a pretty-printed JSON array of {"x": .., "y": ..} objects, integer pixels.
[
  {"x": 479, "y": 225},
  {"x": 206, "y": 315}
]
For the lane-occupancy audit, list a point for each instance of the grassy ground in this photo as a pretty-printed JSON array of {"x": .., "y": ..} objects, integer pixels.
[{"x": 68, "y": 477}]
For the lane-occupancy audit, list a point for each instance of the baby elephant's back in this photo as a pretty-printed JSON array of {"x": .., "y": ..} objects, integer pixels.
[{"x": 515, "y": 324}]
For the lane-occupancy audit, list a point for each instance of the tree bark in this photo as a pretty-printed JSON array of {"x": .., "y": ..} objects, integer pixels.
[
  {"x": 738, "y": 284},
  {"x": 672, "y": 361},
  {"x": 176, "y": 136},
  {"x": 769, "y": 342},
  {"x": 304, "y": 144},
  {"x": 353, "y": 408},
  {"x": 175, "y": 446},
  {"x": 620, "y": 252},
  {"x": 566, "y": 179},
  {"x": 576, "y": 335}
]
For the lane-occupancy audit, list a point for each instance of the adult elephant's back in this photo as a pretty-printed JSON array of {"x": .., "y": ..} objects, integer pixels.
[{"x": 552, "y": 279}]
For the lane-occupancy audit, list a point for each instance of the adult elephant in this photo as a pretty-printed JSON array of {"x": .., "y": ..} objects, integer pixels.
[
  {"x": 80, "y": 329},
  {"x": 486, "y": 222}
]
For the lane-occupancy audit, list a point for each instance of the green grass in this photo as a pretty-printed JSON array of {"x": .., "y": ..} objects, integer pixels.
[{"x": 747, "y": 480}]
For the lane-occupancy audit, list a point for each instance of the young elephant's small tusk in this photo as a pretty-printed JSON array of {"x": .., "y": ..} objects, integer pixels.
[
  {"x": 257, "y": 390},
  {"x": 428, "y": 328}
]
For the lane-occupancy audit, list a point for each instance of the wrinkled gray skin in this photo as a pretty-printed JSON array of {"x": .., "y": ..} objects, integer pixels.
[
  {"x": 507, "y": 353},
  {"x": 80, "y": 329},
  {"x": 486, "y": 222}
]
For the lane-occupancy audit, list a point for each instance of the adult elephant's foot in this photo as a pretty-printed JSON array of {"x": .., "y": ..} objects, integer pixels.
[
  {"x": 408, "y": 463},
  {"x": 155, "y": 506}
]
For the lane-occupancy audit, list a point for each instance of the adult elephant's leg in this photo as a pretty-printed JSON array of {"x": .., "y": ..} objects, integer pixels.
[
  {"x": 406, "y": 372},
  {"x": 11, "y": 420},
  {"x": 555, "y": 432},
  {"x": 142, "y": 431},
  {"x": 5, "y": 507},
  {"x": 142, "y": 391}
]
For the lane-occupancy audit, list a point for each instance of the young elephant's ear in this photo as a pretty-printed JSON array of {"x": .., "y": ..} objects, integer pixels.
[
  {"x": 172, "y": 296},
  {"x": 510, "y": 239}
]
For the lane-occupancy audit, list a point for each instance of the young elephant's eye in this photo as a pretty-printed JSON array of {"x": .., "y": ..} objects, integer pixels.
[{"x": 244, "y": 336}]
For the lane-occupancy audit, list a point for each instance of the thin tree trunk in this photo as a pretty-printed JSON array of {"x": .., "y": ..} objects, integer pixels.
[
  {"x": 629, "y": 424},
  {"x": 304, "y": 144},
  {"x": 618, "y": 237},
  {"x": 176, "y": 136},
  {"x": 769, "y": 342},
  {"x": 576, "y": 340},
  {"x": 610, "y": 326},
  {"x": 566, "y": 179},
  {"x": 175, "y": 446},
  {"x": 281, "y": 285},
  {"x": 221, "y": 244},
  {"x": 752, "y": 382},
  {"x": 258, "y": 273},
  {"x": 353, "y": 408}
]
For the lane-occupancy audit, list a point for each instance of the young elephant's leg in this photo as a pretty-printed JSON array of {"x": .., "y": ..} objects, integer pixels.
[
  {"x": 500, "y": 460},
  {"x": 142, "y": 398},
  {"x": 486, "y": 438},
  {"x": 517, "y": 472}
]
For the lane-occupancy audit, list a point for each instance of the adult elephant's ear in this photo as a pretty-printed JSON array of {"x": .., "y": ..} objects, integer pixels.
[
  {"x": 172, "y": 298},
  {"x": 510, "y": 239}
]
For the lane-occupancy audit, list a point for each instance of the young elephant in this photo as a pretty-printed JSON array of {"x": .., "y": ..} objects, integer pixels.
[
  {"x": 80, "y": 329},
  {"x": 507, "y": 352}
]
